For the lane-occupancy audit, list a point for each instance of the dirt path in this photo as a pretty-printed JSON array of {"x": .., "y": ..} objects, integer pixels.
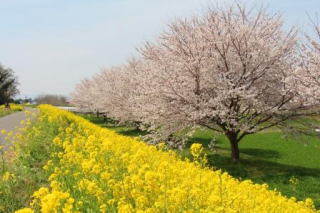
[{"x": 10, "y": 123}]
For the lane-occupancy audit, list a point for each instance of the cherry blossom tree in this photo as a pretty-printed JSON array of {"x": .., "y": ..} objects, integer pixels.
[
  {"x": 82, "y": 96},
  {"x": 232, "y": 70},
  {"x": 311, "y": 63},
  {"x": 118, "y": 92},
  {"x": 110, "y": 92},
  {"x": 90, "y": 94}
]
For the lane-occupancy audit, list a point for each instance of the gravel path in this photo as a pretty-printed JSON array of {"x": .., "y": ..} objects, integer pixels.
[{"x": 10, "y": 123}]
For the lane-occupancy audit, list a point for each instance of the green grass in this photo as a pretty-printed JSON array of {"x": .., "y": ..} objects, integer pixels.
[
  {"x": 5, "y": 112},
  {"x": 266, "y": 157},
  {"x": 110, "y": 124},
  {"x": 26, "y": 165}
]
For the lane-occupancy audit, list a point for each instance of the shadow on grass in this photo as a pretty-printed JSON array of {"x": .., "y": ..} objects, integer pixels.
[
  {"x": 204, "y": 141},
  {"x": 276, "y": 175},
  {"x": 132, "y": 132},
  {"x": 263, "y": 169},
  {"x": 261, "y": 153},
  {"x": 94, "y": 119},
  {"x": 112, "y": 125}
]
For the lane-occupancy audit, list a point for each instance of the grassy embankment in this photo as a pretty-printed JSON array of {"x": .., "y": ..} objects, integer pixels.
[{"x": 65, "y": 162}]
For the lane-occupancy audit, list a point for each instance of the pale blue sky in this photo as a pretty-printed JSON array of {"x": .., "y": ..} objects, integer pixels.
[{"x": 53, "y": 44}]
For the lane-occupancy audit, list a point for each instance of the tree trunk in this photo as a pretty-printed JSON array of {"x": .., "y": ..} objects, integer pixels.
[
  {"x": 235, "y": 153},
  {"x": 7, "y": 106}
]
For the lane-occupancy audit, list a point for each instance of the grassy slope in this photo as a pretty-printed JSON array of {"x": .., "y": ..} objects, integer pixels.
[
  {"x": 27, "y": 167},
  {"x": 4, "y": 113},
  {"x": 265, "y": 158}
]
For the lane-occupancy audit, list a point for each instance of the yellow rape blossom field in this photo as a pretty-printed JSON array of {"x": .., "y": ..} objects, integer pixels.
[
  {"x": 91, "y": 169},
  {"x": 13, "y": 108}
]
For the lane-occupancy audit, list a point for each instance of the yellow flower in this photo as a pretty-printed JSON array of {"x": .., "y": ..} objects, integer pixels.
[
  {"x": 293, "y": 180},
  {"x": 25, "y": 210},
  {"x": 3, "y": 131},
  {"x": 103, "y": 208},
  {"x": 41, "y": 192},
  {"x": 196, "y": 149},
  {"x": 161, "y": 146},
  {"x": 7, "y": 176},
  {"x": 126, "y": 208}
]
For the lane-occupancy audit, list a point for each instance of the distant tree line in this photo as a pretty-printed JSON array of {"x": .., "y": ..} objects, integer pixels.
[
  {"x": 8, "y": 86},
  {"x": 25, "y": 100},
  {"x": 56, "y": 100}
]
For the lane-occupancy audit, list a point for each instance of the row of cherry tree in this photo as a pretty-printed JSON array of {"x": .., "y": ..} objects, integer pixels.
[{"x": 232, "y": 70}]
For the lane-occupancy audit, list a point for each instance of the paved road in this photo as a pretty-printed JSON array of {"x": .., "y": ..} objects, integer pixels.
[{"x": 10, "y": 123}]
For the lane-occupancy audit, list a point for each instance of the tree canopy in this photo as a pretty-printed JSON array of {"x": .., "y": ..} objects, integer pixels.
[
  {"x": 233, "y": 70},
  {"x": 8, "y": 85}
]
